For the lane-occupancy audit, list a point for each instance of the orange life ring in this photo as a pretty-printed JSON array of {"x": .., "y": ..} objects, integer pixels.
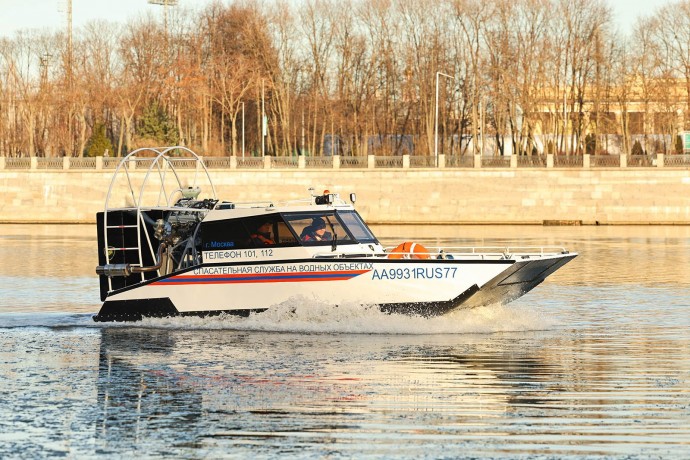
[{"x": 409, "y": 250}]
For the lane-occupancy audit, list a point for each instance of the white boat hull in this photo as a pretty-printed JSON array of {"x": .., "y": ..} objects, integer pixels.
[{"x": 424, "y": 287}]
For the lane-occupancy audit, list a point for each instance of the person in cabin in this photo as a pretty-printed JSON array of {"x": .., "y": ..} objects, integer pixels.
[
  {"x": 316, "y": 231},
  {"x": 262, "y": 235}
]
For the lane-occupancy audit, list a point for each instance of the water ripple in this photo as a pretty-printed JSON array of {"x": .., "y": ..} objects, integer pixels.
[{"x": 595, "y": 363}]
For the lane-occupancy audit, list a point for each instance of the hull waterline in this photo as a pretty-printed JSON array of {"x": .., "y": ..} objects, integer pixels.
[{"x": 422, "y": 288}]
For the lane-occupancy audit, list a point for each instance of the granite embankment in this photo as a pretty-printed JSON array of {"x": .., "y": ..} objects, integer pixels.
[{"x": 397, "y": 196}]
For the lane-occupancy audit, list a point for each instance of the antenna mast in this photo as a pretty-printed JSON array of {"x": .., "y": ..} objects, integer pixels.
[
  {"x": 69, "y": 57},
  {"x": 165, "y": 4}
]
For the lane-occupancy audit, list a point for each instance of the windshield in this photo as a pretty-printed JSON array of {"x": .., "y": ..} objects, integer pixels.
[
  {"x": 314, "y": 228},
  {"x": 317, "y": 228},
  {"x": 357, "y": 227}
]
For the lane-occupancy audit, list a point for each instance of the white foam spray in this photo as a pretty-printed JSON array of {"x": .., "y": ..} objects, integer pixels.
[{"x": 308, "y": 315}]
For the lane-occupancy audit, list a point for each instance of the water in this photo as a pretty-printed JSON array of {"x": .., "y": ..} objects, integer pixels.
[{"x": 594, "y": 363}]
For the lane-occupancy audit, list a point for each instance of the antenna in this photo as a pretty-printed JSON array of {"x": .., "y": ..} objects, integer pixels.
[
  {"x": 44, "y": 63},
  {"x": 67, "y": 9}
]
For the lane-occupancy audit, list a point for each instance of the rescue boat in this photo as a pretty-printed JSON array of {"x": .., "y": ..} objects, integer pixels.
[{"x": 167, "y": 246}]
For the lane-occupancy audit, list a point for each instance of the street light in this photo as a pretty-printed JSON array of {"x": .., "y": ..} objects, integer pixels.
[
  {"x": 242, "y": 129},
  {"x": 263, "y": 121},
  {"x": 438, "y": 74}
]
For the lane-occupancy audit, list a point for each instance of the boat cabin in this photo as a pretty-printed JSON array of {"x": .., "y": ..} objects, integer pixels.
[{"x": 302, "y": 231}]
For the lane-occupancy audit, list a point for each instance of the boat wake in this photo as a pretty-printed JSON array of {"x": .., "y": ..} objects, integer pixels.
[
  {"x": 301, "y": 315},
  {"x": 309, "y": 316}
]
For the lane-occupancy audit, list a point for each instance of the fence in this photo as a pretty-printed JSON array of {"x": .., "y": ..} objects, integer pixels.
[{"x": 365, "y": 162}]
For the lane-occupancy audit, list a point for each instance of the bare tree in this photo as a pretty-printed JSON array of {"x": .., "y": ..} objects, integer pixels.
[
  {"x": 360, "y": 71},
  {"x": 142, "y": 53},
  {"x": 472, "y": 17},
  {"x": 670, "y": 35}
]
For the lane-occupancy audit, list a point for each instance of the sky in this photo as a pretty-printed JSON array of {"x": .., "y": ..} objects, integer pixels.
[{"x": 50, "y": 14}]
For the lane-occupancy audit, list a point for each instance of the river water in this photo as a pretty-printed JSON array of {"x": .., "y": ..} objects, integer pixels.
[{"x": 594, "y": 363}]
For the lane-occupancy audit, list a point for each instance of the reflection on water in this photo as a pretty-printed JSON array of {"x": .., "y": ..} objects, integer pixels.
[
  {"x": 593, "y": 363},
  {"x": 139, "y": 401},
  {"x": 210, "y": 393}
]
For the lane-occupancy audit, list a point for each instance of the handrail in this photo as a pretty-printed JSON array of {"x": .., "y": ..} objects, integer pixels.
[
  {"x": 273, "y": 204},
  {"x": 450, "y": 252},
  {"x": 549, "y": 161},
  {"x": 521, "y": 250}
]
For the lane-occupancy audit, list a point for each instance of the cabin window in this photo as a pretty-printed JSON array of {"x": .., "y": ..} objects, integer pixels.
[
  {"x": 317, "y": 228},
  {"x": 245, "y": 233},
  {"x": 357, "y": 227}
]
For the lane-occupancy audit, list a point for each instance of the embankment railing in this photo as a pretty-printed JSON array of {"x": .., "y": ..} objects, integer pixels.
[{"x": 371, "y": 162}]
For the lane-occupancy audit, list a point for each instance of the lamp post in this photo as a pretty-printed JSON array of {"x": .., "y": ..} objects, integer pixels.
[
  {"x": 438, "y": 74},
  {"x": 263, "y": 121},
  {"x": 242, "y": 129}
]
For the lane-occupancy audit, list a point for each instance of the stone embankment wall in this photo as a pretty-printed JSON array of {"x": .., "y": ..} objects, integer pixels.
[{"x": 396, "y": 196}]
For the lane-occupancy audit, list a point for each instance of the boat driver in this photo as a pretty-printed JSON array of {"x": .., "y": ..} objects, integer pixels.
[
  {"x": 316, "y": 231},
  {"x": 262, "y": 235}
]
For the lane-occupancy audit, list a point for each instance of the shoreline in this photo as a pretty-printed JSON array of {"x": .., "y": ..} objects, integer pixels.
[{"x": 547, "y": 197}]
